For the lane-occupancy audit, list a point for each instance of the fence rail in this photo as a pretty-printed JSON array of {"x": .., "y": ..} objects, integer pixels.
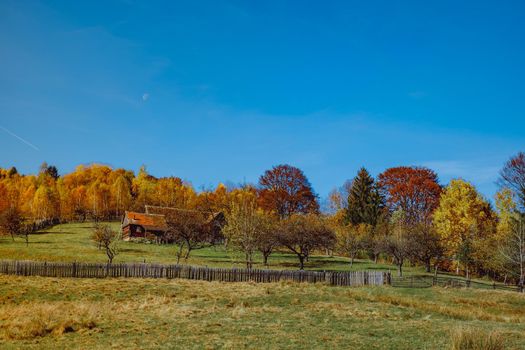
[
  {"x": 139, "y": 270},
  {"x": 426, "y": 281}
]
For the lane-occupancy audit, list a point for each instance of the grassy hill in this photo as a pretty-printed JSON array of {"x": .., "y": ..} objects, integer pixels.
[
  {"x": 51, "y": 313},
  {"x": 72, "y": 242}
]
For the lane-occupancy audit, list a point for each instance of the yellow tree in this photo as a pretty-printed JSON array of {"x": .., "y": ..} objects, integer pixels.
[
  {"x": 510, "y": 236},
  {"x": 144, "y": 188},
  {"x": 243, "y": 225},
  {"x": 120, "y": 195},
  {"x": 45, "y": 203},
  {"x": 506, "y": 211},
  {"x": 463, "y": 219}
]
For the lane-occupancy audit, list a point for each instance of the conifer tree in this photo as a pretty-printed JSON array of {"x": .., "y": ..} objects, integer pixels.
[{"x": 365, "y": 204}]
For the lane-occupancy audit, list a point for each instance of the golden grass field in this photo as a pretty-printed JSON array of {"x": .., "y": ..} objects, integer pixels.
[{"x": 51, "y": 313}]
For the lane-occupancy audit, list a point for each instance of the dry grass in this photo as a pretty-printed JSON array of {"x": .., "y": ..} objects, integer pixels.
[
  {"x": 30, "y": 320},
  {"x": 466, "y": 310},
  {"x": 470, "y": 339},
  {"x": 46, "y": 313}
]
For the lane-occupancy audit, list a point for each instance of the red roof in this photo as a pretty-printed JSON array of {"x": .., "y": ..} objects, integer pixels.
[{"x": 154, "y": 222}]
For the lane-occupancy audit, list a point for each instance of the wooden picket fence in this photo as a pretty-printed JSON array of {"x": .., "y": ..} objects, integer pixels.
[{"x": 139, "y": 270}]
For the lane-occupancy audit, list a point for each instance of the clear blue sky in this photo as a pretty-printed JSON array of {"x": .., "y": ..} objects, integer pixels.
[{"x": 216, "y": 91}]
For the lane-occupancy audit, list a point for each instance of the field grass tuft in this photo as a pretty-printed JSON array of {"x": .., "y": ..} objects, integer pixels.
[
  {"x": 29, "y": 320},
  {"x": 470, "y": 339}
]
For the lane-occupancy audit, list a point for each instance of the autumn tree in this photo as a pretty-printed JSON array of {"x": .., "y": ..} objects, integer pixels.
[
  {"x": 510, "y": 236},
  {"x": 463, "y": 218},
  {"x": 351, "y": 239},
  {"x": 46, "y": 203},
  {"x": 512, "y": 248},
  {"x": 144, "y": 189},
  {"x": 285, "y": 190},
  {"x": 190, "y": 228},
  {"x": 427, "y": 247},
  {"x": 365, "y": 203},
  {"x": 49, "y": 170},
  {"x": 120, "y": 194},
  {"x": 108, "y": 239},
  {"x": 338, "y": 197},
  {"x": 414, "y": 190},
  {"x": 11, "y": 221},
  {"x": 243, "y": 225},
  {"x": 512, "y": 176},
  {"x": 303, "y": 233},
  {"x": 398, "y": 241},
  {"x": 248, "y": 227},
  {"x": 267, "y": 239}
]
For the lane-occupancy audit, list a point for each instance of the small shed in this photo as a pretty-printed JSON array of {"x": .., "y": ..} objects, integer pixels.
[{"x": 142, "y": 225}]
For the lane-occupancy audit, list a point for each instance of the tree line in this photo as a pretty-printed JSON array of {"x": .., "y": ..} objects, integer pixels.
[{"x": 404, "y": 215}]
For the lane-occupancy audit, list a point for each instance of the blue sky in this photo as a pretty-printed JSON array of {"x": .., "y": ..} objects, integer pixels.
[{"x": 216, "y": 91}]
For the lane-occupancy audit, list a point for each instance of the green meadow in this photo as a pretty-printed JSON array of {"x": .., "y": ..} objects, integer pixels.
[{"x": 72, "y": 242}]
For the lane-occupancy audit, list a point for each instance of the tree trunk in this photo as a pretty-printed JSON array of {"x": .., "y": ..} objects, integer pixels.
[
  {"x": 400, "y": 267},
  {"x": 427, "y": 265},
  {"x": 265, "y": 258},
  {"x": 179, "y": 253},
  {"x": 249, "y": 262},
  {"x": 301, "y": 261},
  {"x": 187, "y": 255}
]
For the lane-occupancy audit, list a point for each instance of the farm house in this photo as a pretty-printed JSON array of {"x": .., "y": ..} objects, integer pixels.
[{"x": 142, "y": 225}]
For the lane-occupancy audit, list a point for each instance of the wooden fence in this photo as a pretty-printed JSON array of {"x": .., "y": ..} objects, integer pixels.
[
  {"x": 137, "y": 270},
  {"x": 425, "y": 281}
]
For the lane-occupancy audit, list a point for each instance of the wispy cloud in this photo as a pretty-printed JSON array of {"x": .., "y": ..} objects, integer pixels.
[{"x": 20, "y": 139}]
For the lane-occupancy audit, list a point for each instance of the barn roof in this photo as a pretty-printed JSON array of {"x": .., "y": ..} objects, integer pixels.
[{"x": 154, "y": 222}]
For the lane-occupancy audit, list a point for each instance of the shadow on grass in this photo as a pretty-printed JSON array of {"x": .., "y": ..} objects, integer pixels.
[{"x": 38, "y": 233}]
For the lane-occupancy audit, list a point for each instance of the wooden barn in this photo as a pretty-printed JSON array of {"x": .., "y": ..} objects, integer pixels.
[{"x": 142, "y": 225}]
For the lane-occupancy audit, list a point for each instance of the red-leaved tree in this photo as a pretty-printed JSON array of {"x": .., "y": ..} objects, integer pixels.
[
  {"x": 415, "y": 190},
  {"x": 285, "y": 190}
]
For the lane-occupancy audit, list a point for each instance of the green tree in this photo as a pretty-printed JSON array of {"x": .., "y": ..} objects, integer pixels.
[{"x": 365, "y": 204}]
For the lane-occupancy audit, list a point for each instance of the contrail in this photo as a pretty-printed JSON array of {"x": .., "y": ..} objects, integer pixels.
[{"x": 21, "y": 139}]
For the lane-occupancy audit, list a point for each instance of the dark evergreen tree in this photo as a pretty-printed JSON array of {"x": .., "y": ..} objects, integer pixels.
[
  {"x": 12, "y": 172},
  {"x": 49, "y": 170},
  {"x": 365, "y": 203}
]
